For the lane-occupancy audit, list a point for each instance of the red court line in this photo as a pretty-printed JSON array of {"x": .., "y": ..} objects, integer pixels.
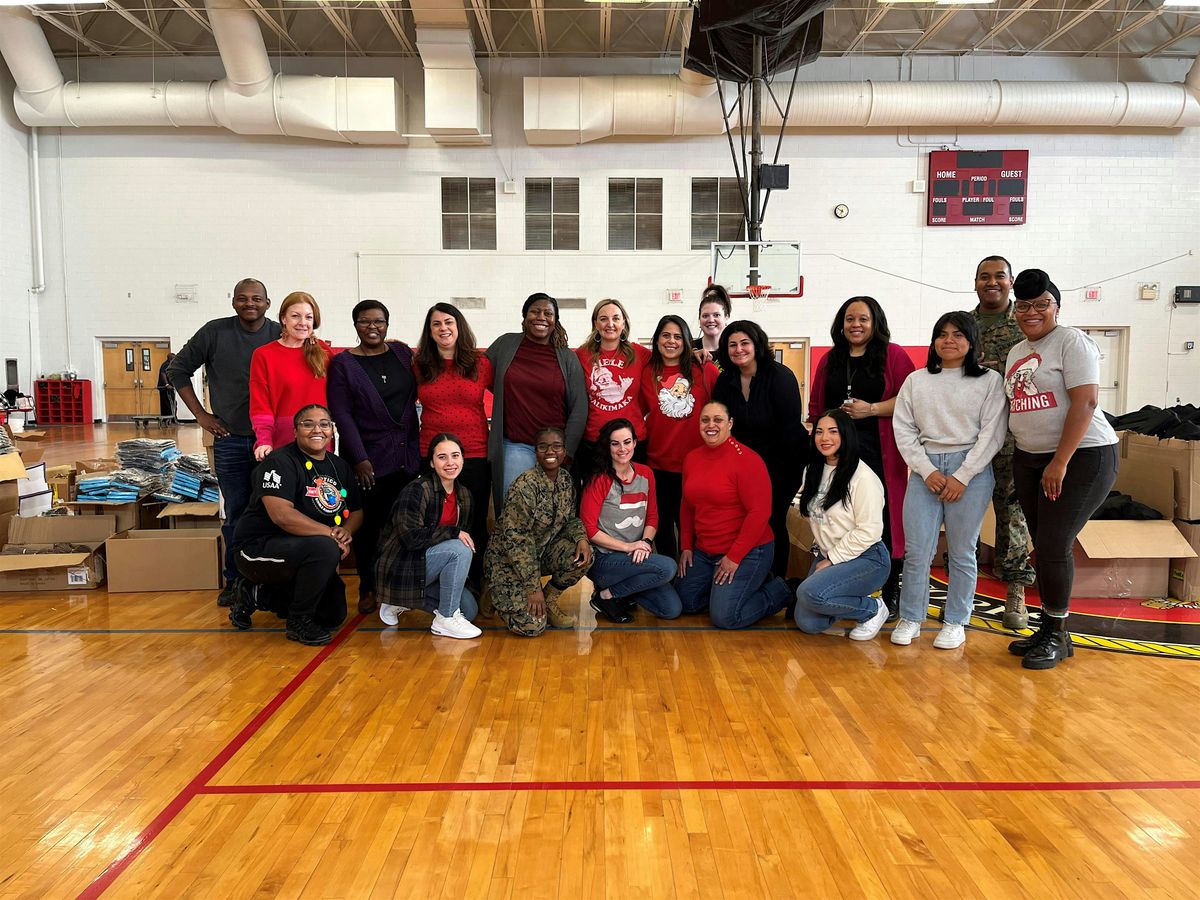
[
  {"x": 196, "y": 785},
  {"x": 730, "y": 785}
]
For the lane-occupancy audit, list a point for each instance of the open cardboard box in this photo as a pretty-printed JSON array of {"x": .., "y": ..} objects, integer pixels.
[
  {"x": 191, "y": 515},
  {"x": 127, "y": 514},
  {"x": 47, "y": 571},
  {"x": 165, "y": 559},
  {"x": 1185, "y": 570},
  {"x": 1181, "y": 459}
]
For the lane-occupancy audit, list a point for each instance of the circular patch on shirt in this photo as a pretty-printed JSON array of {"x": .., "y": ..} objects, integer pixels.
[{"x": 329, "y": 498}]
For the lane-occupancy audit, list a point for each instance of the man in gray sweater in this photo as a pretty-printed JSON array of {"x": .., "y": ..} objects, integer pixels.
[{"x": 224, "y": 347}]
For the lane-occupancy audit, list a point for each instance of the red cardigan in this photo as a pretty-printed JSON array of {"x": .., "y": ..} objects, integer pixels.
[
  {"x": 726, "y": 504},
  {"x": 895, "y": 472}
]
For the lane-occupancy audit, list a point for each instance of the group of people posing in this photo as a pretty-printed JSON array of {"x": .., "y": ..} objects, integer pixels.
[{"x": 665, "y": 473}]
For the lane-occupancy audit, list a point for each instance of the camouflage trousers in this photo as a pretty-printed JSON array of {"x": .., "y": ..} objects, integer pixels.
[
  {"x": 1012, "y": 564},
  {"x": 509, "y": 588}
]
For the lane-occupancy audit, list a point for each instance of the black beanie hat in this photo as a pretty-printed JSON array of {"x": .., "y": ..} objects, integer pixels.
[{"x": 1033, "y": 283}]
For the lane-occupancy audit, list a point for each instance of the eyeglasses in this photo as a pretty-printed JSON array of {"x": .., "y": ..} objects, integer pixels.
[
  {"x": 1040, "y": 305},
  {"x": 371, "y": 323},
  {"x": 556, "y": 448},
  {"x": 314, "y": 425}
]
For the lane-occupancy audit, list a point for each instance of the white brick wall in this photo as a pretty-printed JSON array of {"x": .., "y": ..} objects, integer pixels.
[
  {"x": 15, "y": 252},
  {"x": 146, "y": 211}
]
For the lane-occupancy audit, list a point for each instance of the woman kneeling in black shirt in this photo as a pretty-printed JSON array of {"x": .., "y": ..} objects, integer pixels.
[{"x": 302, "y": 516}]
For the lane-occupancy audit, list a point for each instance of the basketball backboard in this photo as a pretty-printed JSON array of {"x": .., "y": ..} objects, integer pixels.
[{"x": 779, "y": 268}]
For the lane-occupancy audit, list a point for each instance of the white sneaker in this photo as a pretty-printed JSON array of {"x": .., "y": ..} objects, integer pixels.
[
  {"x": 950, "y": 637},
  {"x": 455, "y": 626},
  {"x": 866, "y": 631},
  {"x": 905, "y": 632},
  {"x": 390, "y": 615}
]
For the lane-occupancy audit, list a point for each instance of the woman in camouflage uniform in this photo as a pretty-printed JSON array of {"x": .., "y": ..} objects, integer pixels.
[{"x": 537, "y": 535}]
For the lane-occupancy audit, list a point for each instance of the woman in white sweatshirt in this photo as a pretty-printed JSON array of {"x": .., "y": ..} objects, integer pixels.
[
  {"x": 950, "y": 419},
  {"x": 843, "y": 500}
]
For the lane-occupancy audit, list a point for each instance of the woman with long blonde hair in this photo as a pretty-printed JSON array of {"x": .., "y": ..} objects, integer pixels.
[{"x": 287, "y": 374}]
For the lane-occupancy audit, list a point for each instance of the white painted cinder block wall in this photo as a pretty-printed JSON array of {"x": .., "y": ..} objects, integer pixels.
[
  {"x": 143, "y": 212},
  {"x": 16, "y": 338}
]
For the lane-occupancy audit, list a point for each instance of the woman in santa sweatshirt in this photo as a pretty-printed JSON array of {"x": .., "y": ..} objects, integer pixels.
[
  {"x": 724, "y": 527},
  {"x": 950, "y": 419},
  {"x": 843, "y": 500}
]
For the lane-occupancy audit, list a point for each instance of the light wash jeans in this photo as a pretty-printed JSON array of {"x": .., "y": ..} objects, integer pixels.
[
  {"x": 517, "y": 459},
  {"x": 648, "y": 581},
  {"x": 446, "y": 568},
  {"x": 843, "y": 590},
  {"x": 924, "y": 514},
  {"x": 754, "y": 593}
]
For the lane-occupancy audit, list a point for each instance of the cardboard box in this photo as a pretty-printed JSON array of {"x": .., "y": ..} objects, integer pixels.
[
  {"x": 55, "y": 571},
  {"x": 83, "y": 466},
  {"x": 1126, "y": 559},
  {"x": 1185, "y": 571},
  {"x": 34, "y": 436},
  {"x": 191, "y": 515},
  {"x": 127, "y": 514},
  {"x": 165, "y": 559},
  {"x": 61, "y": 480},
  {"x": 1143, "y": 453}
]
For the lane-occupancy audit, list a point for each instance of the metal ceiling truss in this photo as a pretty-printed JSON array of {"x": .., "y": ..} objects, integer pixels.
[
  {"x": 277, "y": 28},
  {"x": 342, "y": 26},
  {"x": 1183, "y": 35},
  {"x": 1070, "y": 24},
  {"x": 53, "y": 19},
  {"x": 539, "y": 25},
  {"x": 942, "y": 20},
  {"x": 872, "y": 21},
  {"x": 483, "y": 18},
  {"x": 139, "y": 25},
  {"x": 195, "y": 14}
]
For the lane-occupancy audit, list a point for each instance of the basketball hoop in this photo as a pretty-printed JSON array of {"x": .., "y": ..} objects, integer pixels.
[{"x": 758, "y": 291}]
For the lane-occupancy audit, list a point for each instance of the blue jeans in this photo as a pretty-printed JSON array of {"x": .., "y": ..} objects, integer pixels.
[
  {"x": 649, "y": 581},
  {"x": 843, "y": 590},
  {"x": 753, "y": 594},
  {"x": 234, "y": 459},
  {"x": 446, "y": 568},
  {"x": 517, "y": 459},
  {"x": 924, "y": 513}
]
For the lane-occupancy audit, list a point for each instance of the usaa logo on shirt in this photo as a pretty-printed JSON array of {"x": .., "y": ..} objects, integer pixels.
[{"x": 271, "y": 480}]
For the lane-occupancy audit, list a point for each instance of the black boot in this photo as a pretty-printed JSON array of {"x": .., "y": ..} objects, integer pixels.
[
  {"x": 1021, "y": 646},
  {"x": 306, "y": 631},
  {"x": 229, "y": 592},
  {"x": 1052, "y": 647},
  {"x": 891, "y": 590},
  {"x": 243, "y": 605}
]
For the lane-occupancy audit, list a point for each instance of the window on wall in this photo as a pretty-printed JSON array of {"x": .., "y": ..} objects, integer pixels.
[
  {"x": 468, "y": 213},
  {"x": 551, "y": 213},
  {"x": 717, "y": 212},
  {"x": 635, "y": 214}
]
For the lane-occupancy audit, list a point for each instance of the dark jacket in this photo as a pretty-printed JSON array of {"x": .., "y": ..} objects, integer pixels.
[
  {"x": 412, "y": 529},
  {"x": 501, "y": 353},
  {"x": 771, "y": 422},
  {"x": 366, "y": 430}
]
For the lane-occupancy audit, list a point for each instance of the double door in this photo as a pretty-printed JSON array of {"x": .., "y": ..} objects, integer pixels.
[{"x": 131, "y": 377}]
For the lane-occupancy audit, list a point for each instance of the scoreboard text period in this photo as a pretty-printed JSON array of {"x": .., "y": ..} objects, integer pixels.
[{"x": 978, "y": 187}]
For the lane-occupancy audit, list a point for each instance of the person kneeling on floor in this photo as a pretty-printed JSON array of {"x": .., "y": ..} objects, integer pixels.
[
  {"x": 538, "y": 535},
  {"x": 301, "y": 519},
  {"x": 425, "y": 549}
]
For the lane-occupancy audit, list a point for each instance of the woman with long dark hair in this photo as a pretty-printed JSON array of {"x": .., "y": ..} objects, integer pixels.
[
  {"x": 675, "y": 388},
  {"x": 862, "y": 374},
  {"x": 374, "y": 400},
  {"x": 620, "y": 515},
  {"x": 425, "y": 551},
  {"x": 950, "y": 420},
  {"x": 538, "y": 383},
  {"x": 1066, "y": 457},
  {"x": 453, "y": 377},
  {"x": 843, "y": 500},
  {"x": 763, "y": 398}
]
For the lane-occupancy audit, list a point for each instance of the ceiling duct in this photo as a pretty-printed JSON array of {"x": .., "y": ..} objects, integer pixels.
[
  {"x": 251, "y": 99},
  {"x": 577, "y": 110},
  {"x": 457, "y": 109}
]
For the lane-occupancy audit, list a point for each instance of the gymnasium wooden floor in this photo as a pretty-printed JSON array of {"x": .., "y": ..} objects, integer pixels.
[{"x": 150, "y": 750}]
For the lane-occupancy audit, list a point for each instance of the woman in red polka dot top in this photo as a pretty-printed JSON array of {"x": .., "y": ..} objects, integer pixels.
[{"x": 452, "y": 377}]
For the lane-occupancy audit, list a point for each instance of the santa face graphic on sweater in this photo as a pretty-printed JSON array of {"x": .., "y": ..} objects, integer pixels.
[
  {"x": 1021, "y": 387},
  {"x": 675, "y": 399}
]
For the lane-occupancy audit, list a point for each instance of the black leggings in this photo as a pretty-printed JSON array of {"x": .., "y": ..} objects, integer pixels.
[
  {"x": 1054, "y": 524},
  {"x": 308, "y": 566},
  {"x": 668, "y": 489}
]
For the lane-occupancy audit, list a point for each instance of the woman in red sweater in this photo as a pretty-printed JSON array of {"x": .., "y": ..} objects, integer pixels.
[
  {"x": 727, "y": 552},
  {"x": 288, "y": 374},
  {"x": 675, "y": 388},
  {"x": 613, "y": 369},
  {"x": 452, "y": 378}
]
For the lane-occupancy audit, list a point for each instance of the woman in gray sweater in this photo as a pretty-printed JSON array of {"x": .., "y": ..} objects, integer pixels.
[{"x": 950, "y": 420}]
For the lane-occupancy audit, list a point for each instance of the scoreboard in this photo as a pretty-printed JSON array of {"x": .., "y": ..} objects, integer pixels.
[{"x": 978, "y": 187}]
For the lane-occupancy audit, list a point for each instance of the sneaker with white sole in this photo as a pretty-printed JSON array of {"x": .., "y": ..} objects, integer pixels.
[
  {"x": 905, "y": 632},
  {"x": 950, "y": 637},
  {"x": 390, "y": 614},
  {"x": 866, "y": 631},
  {"x": 455, "y": 626}
]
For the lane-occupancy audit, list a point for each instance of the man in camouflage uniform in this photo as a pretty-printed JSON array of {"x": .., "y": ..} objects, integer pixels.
[
  {"x": 538, "y": 534},
  {"x": 998, "y": 333}
]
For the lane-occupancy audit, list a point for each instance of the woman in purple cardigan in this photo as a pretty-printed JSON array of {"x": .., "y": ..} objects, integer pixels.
[
  {"x": 373, "y": 398},
  {"x": 862, "y": 374}
]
